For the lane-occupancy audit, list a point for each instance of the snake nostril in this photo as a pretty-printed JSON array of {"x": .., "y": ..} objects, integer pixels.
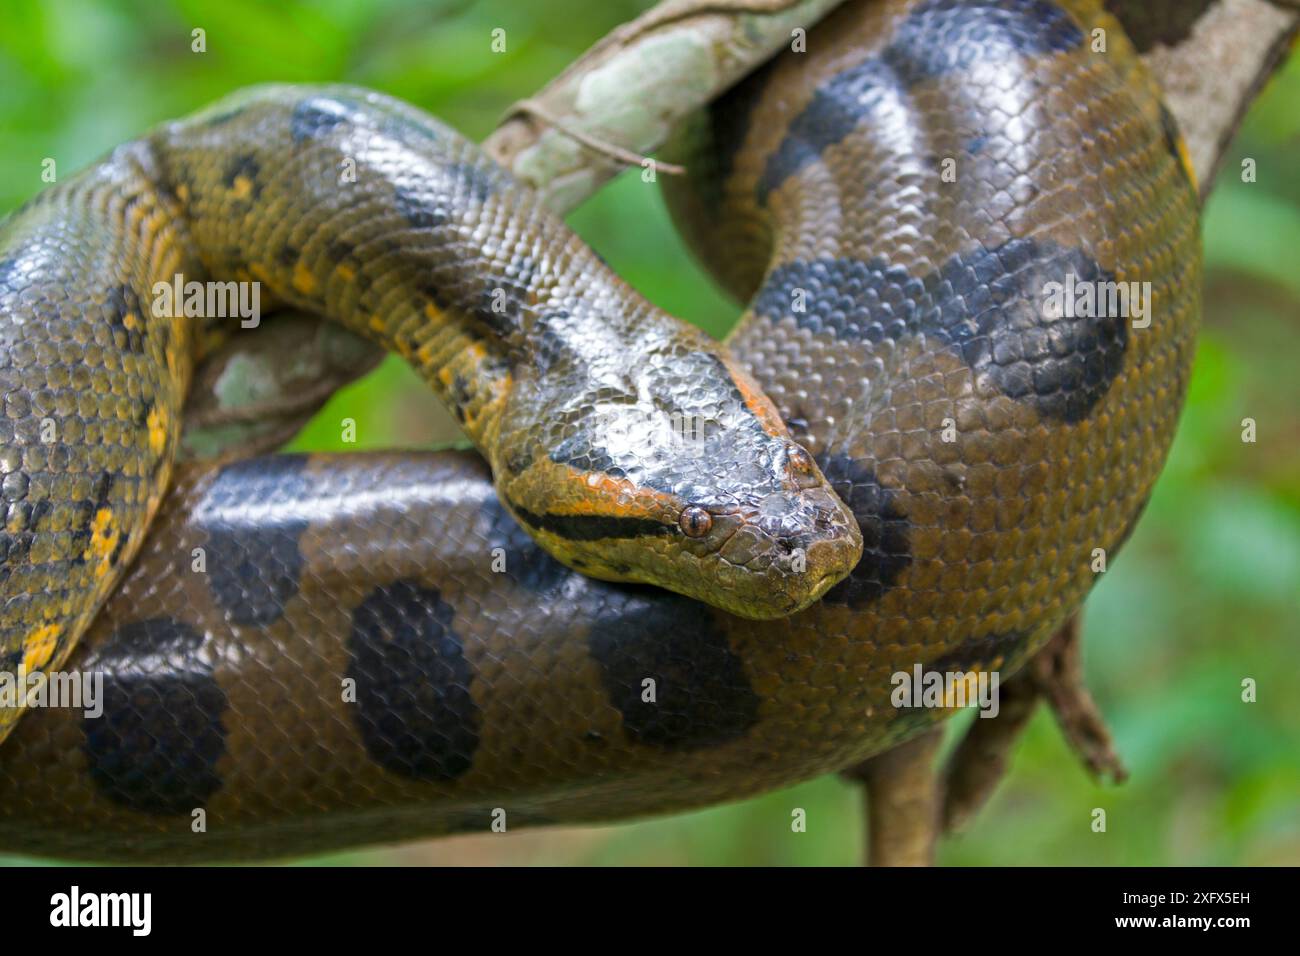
[{"x": 800, "y": 461}]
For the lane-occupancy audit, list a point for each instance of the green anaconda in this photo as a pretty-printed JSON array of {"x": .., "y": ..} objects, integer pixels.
[{"x": 326, "y": 650}]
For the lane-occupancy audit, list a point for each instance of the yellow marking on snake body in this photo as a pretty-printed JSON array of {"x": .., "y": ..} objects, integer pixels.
[
  {"x": 346, "y": 272},
  {"x": 157, "y": 424},
  {"x": 304, "y": 280},
  {"x": 469, "y": 361},
  {"x": 242, "y": 187},
  {"x": 104, "y": 535},
  {"x": 1185, "y": 158},
  {"x": 39, "y": 646}
]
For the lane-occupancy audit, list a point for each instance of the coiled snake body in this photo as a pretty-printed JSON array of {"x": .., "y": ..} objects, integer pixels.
[{"x": 347, "y": 667}]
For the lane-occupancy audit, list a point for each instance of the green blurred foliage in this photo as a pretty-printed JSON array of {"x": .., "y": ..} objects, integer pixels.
[{"x": 1206, "y": 594}]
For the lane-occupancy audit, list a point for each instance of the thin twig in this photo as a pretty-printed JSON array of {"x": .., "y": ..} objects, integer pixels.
[
  {"x": 980, "y": 760},
  {"x": 603, "y": 146},
  {"x": 1057, "y": 672},
  {"x": 902, "y": 801},
  {"x": 1055, "y": 675}
]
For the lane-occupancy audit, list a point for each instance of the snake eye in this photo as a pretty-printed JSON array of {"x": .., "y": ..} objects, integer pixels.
[
  {"x": 695, "y": 522},
  {"x": 800, "y": 460}
]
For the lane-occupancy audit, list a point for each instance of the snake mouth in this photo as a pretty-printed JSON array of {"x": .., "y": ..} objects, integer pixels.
[
  {"x": 825, "y": 583},
  {"x": 777, "y": 576},
  {"x": 793, "y": 602}
]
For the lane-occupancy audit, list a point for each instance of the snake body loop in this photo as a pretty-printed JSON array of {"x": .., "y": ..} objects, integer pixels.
[{"x": 376, "y": 650}]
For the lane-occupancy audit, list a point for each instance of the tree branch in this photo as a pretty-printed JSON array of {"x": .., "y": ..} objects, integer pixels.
[
  {"x": 902, "y": 812},
  {"x": 1212, "y": 59},
  {"x": 632, "y": 88}
]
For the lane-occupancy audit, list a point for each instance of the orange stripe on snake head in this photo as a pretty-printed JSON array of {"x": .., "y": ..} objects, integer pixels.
[{"x": 759, "y": 405}]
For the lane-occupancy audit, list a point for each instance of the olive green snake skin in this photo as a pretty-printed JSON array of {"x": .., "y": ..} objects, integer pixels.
[{"x": 311, "y": 652}]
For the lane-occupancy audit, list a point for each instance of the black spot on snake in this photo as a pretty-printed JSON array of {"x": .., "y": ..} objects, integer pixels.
[
  {"x": 987, "y": 305},
  {"x": 940, "y": 37},
  {"x": 414, "y": 709},
  {"x": 434, "y": 295},
  {"x": 552, "y": 347},
  {"x": 480, "y": 181},
  {"x": 518, "y": 460},
  {"x": 421, "y": 212},
  {"x": 526, "y": 565},
  {"x": 886, "y": 550},
  {"x": 243, "y": 167},
  {"x": 503, "y": 298},
  {"x": 87, "y": 509},
  {"x": 460, "y": 395},
  {"x": 123, "y": 302},
  {"x": 934, "y": 39},
  {"x": 288, "y": 255},
  {"x": 702, "y": 696},
  {"x": 102, "y": 487},
  {"x": 1148, "y": 22},
  {"x": 591, "y": 527},
  {"x": 156, "y": 746},
  {"x": 118, "y": 548},
  {"x": 499, "y": 322},
  {"x": 14, "y": 547},
  {"x": 339, "y": 251},
  {"x": 316, "y": 117},
  {"x": 253, "y": 561}
]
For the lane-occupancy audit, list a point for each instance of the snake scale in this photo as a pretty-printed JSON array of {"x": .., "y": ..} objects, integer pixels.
[{"x": 345, "y": 665}]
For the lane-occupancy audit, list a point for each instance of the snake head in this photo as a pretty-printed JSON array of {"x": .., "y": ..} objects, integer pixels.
[{"x": 673, "y": 469}]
